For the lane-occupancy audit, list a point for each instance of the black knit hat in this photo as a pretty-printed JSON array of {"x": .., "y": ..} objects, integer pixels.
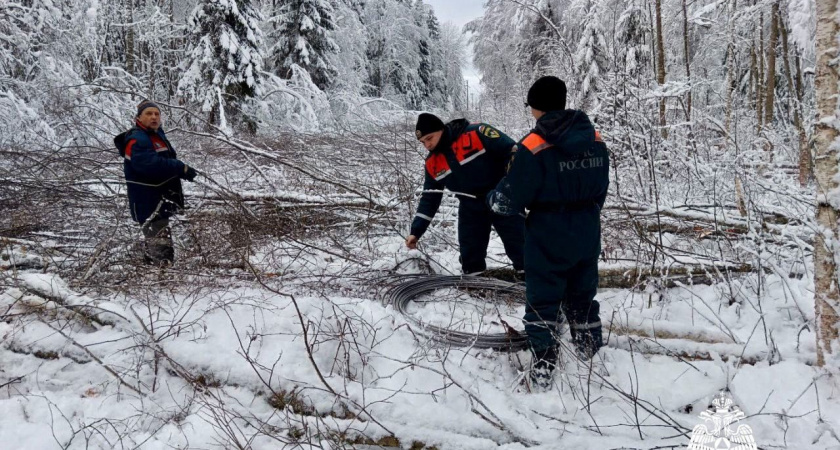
[
  {"x": 144, "y": 105},
  {"x": 547, "y": 94},
  {"x": 428, "y": 123}
]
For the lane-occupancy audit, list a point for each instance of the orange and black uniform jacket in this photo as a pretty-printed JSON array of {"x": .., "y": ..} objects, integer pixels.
[
  {"x": 562, "y": 165},
  {"x": 560, "y": 173},
  {"x": 470, "y": 159}
]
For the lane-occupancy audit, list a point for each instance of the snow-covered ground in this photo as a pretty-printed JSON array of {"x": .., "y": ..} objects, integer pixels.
[
  {"x": 270, "y": 331},
  {"x": 266, "y": 362}
]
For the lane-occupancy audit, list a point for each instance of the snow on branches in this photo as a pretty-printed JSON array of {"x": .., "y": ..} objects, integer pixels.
[{"x": 225, "y": 59}]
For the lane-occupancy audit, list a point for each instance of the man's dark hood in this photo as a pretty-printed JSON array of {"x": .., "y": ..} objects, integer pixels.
[
  {"x": 451, "y": 132},
  {"x": 566, "y": 129}
]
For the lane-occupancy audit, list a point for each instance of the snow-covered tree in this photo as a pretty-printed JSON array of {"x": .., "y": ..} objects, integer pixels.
[
  {"x": 453, "y": 55},
  {"x": 27, "y": 29},
  {"x": 302, "y": 30},
  {"x": 590, "y": 60},
  {"x": 495, "y": 38},
  {"x": 350, "y": 62},
  {"x": 427, "y": 59},
  {"x": 826, "y": 251},
  {"x": 634, "y": 52},
  {"x": 432, "y": 57},
  {"x": 536, "y": 48},
  {"x": 394, "y": 52},
  {"x": 225, "y": 60}
]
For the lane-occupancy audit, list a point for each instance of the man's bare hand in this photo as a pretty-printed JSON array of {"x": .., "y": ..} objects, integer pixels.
[{"x": 411, "y": 242}]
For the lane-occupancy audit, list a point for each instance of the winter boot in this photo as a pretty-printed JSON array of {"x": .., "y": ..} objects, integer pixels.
[
  {"x": 519, "y": 277},
  {"x": 158, "y": 248},
  {"x": 542, "y": 369},
  {"x": 587, "y": 339}
]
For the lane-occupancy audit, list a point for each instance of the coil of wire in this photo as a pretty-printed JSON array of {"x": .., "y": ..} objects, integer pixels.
[{"x": 403, "y": 294}]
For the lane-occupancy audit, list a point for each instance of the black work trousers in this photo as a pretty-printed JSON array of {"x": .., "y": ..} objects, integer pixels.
[{"x": 474, "y": 222}]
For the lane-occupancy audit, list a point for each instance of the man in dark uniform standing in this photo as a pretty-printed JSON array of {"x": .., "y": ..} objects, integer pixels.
[
  {"x": 560, "y": 173},
  {"x": 469, "y": 160}
]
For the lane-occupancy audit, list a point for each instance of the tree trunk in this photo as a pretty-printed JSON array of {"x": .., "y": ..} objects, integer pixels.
[
  {"x": 730, "y": 71},
  {"x": 739, "y": 197},
  {"x": 804, "y": 154},
  {"x": 172, "y": 59},
  {"x": 151, "y": 72},
  {"x": 800, "y": 86},
  {"x": 754, "y": 80},
  {"x": 826, "y": 289},
  {"x": 687, "y": 61},
  {"x": 770, "y": 85},
  {"x": 129, "y": 40},
  {"x": 759, "y": 76},
  {"x": 805, "y": 151},
  {"x": 660, "y": 69}
]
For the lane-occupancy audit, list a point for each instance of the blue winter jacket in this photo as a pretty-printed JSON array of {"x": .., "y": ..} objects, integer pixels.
[{"x": 152, "y": 173}]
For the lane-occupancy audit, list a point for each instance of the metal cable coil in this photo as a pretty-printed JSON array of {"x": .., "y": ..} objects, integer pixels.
[{"x": 401, "y": 295}]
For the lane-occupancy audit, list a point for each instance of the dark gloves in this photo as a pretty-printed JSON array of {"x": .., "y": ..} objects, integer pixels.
[
  {"x": 189, "y": 173},
  {"x": 499, "y": 204},
  {"x": 488, "y": 200}
]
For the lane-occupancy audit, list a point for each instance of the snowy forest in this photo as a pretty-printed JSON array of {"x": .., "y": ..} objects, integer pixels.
[{"x": 280, "y": 324}]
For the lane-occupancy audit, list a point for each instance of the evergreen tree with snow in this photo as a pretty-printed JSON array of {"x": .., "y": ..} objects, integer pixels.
[
  {"x": 453, "y": 54},
  {"x": 424, "y": 47},
  {"x": 590, "y": 60},
  {"x": 635, "y": 57},
  {"x": 351, "y": 63},
  {"x": 394, "y": 52},
  {"x": 303, "y": 32},
  {"x": 536, "y": 47},
  {"x": 496, "y": 37},
  {"x": 432, "y": 59},
  {"x": 225, "y": 60}
]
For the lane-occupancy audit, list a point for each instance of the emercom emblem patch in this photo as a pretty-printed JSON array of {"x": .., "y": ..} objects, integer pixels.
[{"x": 490, "y": 132}]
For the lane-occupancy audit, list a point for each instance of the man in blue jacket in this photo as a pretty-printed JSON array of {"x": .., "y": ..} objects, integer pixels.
[
  {"x": 153, "y": 174},
  {"x": 560, "y": 173},
  {"x": 468, "y": 160}
]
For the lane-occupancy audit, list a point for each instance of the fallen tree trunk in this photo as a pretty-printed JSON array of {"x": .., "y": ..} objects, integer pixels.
[
  {"x": 631, "y": 277},
  {"x": 687, "y": 350},
  {"x": 639, "y": 277}
]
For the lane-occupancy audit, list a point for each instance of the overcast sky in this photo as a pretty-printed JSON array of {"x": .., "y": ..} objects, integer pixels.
[{"x": 460, "y": 12}]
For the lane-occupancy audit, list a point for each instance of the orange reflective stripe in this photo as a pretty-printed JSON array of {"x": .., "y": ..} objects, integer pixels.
[
  {"x": 535, "y": 143},
  {"x": 532, "y": 141},
  {"x": 598, "y": 136}
]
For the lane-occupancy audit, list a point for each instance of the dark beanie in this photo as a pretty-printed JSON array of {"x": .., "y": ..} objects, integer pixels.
[
  {"x": 146, "y": 104},
  {"x": 428, "y": 123},
  {"x": 547, "y": 94}
]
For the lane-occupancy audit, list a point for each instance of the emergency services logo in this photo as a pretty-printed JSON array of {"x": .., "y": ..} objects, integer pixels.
[
  {"x": 489, "y": 132},
  {"x": 721, "y": 436}
]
